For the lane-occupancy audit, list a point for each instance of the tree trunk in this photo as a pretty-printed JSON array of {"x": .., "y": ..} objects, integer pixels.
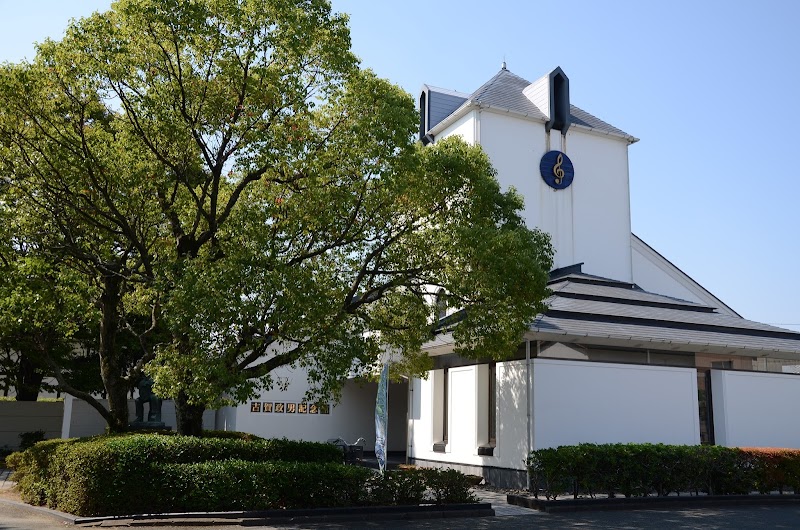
[
  {"x": 29, "y": 380},
  {"x": 111, "y": 368},
  {"x": 190, "y": 417}
]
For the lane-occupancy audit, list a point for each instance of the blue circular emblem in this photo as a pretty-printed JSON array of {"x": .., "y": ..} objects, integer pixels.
[{"x": 557, "y": 169}]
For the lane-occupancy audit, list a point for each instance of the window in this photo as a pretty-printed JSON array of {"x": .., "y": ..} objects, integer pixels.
[
  {"x": 440, "y": 409},
  {"x": 705, "y": 404},
  {"x": 722, "y": 365},
  {"x": 492, "y": 404},
  {"x": 445, "y": 403},
  {"x": 487, "y": 408}
]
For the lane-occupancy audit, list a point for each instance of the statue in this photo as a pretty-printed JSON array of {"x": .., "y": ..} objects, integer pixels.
[{"x": 146, "y": 395}]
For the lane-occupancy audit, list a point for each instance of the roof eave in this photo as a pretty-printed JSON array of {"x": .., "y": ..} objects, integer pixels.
[
  {"x": 627, "y": 137},
  {"x": 470, "y": 105},
  {"x": 687, "y": 346},
  {"x": 461, "y": 111}
]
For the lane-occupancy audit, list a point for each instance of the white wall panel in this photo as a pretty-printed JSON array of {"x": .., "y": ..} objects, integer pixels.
[
  {"x": 17, "y": 417},
  {"x": 464, "y": 127},
  {"x": 753, "y": 409},
  {"x": 465, "y": 412},
  {"x": 589, "y": 221},
  {"x": 84, "y": 420},
  {"x": 351, "y": 418},
  {"x": 600, "y": 204},
  {"x": 512, "y": 419},
  {"x": 462, "y": 414},
  {"x": 577, "y": 402},
  {"x": 653, "y": 272}
]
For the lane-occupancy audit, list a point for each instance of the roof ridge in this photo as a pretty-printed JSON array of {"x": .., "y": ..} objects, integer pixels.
[{"x": 476, "y": 95}]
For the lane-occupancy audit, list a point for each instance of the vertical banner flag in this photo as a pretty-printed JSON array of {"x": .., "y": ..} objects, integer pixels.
[{"x": 381, "y": 417}]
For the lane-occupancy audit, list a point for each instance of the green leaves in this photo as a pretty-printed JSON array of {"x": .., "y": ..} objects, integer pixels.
[{"x": 222, "y": 170}]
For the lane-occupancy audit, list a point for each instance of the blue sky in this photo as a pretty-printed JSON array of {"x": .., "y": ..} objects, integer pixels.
[{"x": 710, "y": 88}]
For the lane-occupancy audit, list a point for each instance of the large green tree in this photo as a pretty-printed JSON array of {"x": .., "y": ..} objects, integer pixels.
[{"x": 238, "y": 173}]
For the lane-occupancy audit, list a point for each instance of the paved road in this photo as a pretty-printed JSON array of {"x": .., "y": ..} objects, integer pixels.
[{"x": 14, "y": 518}]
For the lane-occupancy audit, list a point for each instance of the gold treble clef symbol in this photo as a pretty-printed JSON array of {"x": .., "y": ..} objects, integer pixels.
[{"x": 557, "y": 171}]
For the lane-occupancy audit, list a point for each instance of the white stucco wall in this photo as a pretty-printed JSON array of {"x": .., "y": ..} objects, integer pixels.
[
  {"x": 601, "y": 204},
  {"x": 652, "y": 272},
  {"x": 465, "y": 127},
  {"x": 577, "y": 402},
  {"x": 515, "y": 146},
  {"x": 648, "y": 275},
  {"x": 351, "y": 418},
  {"x": 512, "y": 419},
  {"x": 589, "y": 221},
  {"x": 573, "y": 402},
  {"x": 17, "y": 417},
  {"x": 754, "y": 409},
  {"x": 468, "y": 419},
  {"x": 81, "y": 419}
]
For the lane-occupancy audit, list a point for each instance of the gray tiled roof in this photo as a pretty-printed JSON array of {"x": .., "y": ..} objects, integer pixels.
[
  {"x": 504, "y": 91},
  {"x": 583, "y": 306},
  {"x": 581, "y": 117},
  {"x": 673, "y": 337},
  {"x": 441, "y": 103},
  {"x": 657, "y": 315},
  {"x": 589, "y": 288}
]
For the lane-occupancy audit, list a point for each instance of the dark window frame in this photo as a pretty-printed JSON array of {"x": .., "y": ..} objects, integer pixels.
[{"x": 492, "y": 433}]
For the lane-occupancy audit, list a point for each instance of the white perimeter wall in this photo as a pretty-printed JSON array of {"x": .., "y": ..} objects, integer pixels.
[
  {"x": 351, "y": 418},
  {"x": 573, "y": 402},
  {"x": 577, "y": 402},
  {"x": 26, "y": 416},
  {"x": 71, "y": 418},
  {"x": 468, "y": 419},
  {"x": 81, "y": 419},
  {"x": 754, "y": 409}
]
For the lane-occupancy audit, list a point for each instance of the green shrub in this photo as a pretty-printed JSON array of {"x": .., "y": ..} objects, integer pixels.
[
  {"x": 29, "y": 439},
  {"x": 52, "y": 471},
  {"x": 237, "y": 435},
  {"x": 550, "y": 471},
  {"x": 32, "y": 470},
  {"x": 150, "y": 473},
  {"x": 140, "y": 449},
  {"x": 401, "y": 487},
  {"x": 448, "y": 486},
  {"x": 213, "y": 486},
  {"x": 648, "y": 469}
]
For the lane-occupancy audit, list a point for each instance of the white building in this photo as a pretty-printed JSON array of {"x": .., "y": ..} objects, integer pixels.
[{"x": 631, "y": 350}]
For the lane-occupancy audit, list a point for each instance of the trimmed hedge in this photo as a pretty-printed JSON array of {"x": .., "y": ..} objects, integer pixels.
[
  {"x": 151, "y": 473},
  {"x": 52, "y": 469},
  {"x": 418, "y": 485},
  {"x": 635, "y": 470},
  {"x": 212, "y": 486}
]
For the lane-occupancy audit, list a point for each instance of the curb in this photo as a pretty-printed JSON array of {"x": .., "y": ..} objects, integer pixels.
[
  {"x": 651, "y": 503},
  {"x": 271, "y": 517}
]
